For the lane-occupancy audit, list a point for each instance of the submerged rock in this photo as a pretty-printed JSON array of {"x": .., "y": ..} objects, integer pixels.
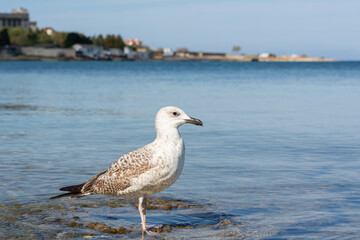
[
  {"x": 74, "y": 224},
  {"x": 67, "y": 220},
  {"x": 107, "y": 229}
]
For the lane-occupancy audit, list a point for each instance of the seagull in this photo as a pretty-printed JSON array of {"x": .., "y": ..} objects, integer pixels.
[{"x": 145, "y": 171}]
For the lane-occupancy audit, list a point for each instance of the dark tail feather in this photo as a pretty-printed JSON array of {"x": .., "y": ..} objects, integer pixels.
[
  {"x": 72, "y": 195},
  {"x": 73, "y": 188},
  {"x": 73, "y": 191}
]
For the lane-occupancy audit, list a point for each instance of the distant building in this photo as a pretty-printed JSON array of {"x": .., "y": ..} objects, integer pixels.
[
  {"x": 133, "y": 42},
  {"x": 201, "y": 55},
  {"x": 188, "y": 54},
  {"x": 143, "y": 55},
  {"x": 17, "y": 18},
  {"x": 115, "y": 52},
  {"x": 143, "y": 52},
  {"x": 182, "y": 50},
  {"x": 32, "y": 26},
  {"x": 48, "y": 52},
  {"x": 88, "y": 50},
  {"x": 168, "y": 52},
  {"x": 128, "y": 52},
  {"x": 264, "y": 55},
  {"x": 50, "y": 31},
  {"x": 158, "y": 55}
]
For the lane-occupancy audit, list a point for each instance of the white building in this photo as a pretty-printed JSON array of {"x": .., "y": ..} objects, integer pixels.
[
  {"x": 89, "y": 50},
  {"x": 128, "y": 52},
  {"x": 264, "y": 55},
  {"x": 168, "y": 52}
]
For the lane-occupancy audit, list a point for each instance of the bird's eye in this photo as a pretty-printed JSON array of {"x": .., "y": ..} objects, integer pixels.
[{"x": 174, "y": 113}]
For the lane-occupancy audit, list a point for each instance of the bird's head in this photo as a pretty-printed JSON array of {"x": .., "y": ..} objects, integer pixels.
[{"x": 173, "y": 117}]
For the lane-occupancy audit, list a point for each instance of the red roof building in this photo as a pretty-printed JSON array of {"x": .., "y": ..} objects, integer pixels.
[{"x": 133, "y": 42}]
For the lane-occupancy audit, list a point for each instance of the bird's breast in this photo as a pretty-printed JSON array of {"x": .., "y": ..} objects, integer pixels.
[
  {"x": 170, "y": 163},
  {"x": 171, "y": 160}
]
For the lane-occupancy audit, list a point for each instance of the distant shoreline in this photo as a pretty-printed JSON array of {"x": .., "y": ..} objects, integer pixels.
[{"x": 238, "y": 58}]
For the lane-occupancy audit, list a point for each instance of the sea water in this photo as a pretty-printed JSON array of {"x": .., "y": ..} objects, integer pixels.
[{"x": 278, "y": 156}]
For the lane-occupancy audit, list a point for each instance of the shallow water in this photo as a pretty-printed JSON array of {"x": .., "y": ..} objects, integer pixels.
[{"x": 277, "y": 158}]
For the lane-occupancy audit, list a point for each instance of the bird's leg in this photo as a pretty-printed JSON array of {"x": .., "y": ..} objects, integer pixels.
[{"x": 142, "y": 211}]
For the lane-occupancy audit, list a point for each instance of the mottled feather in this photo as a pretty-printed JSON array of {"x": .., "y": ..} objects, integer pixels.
[{"x": 116, "y": 179}]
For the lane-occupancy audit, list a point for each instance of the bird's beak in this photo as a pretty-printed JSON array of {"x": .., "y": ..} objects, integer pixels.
[{"x": 194, "y": 121}]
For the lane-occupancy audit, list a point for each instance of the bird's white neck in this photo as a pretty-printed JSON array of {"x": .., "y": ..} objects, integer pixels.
[{"x": 167, "y": 134}]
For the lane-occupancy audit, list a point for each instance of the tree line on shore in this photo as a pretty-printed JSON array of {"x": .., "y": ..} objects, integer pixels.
[{"x": 22, "y": 37}]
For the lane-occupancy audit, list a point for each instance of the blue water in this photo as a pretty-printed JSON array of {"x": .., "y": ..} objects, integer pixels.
[{"x": 278, "y": 156}]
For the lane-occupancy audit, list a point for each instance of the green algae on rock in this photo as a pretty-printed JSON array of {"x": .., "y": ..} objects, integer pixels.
[
  {"x": 107, "y": 229},
  {"x": 74, "y": 224},
  {"x": 50, "y": 220}
]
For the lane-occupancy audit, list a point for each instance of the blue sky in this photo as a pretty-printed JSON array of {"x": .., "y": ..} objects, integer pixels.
[{"x": 325, "y": 28}]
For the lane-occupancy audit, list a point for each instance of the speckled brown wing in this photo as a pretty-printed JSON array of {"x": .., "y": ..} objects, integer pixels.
[{"x": 118, "y": 177}]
